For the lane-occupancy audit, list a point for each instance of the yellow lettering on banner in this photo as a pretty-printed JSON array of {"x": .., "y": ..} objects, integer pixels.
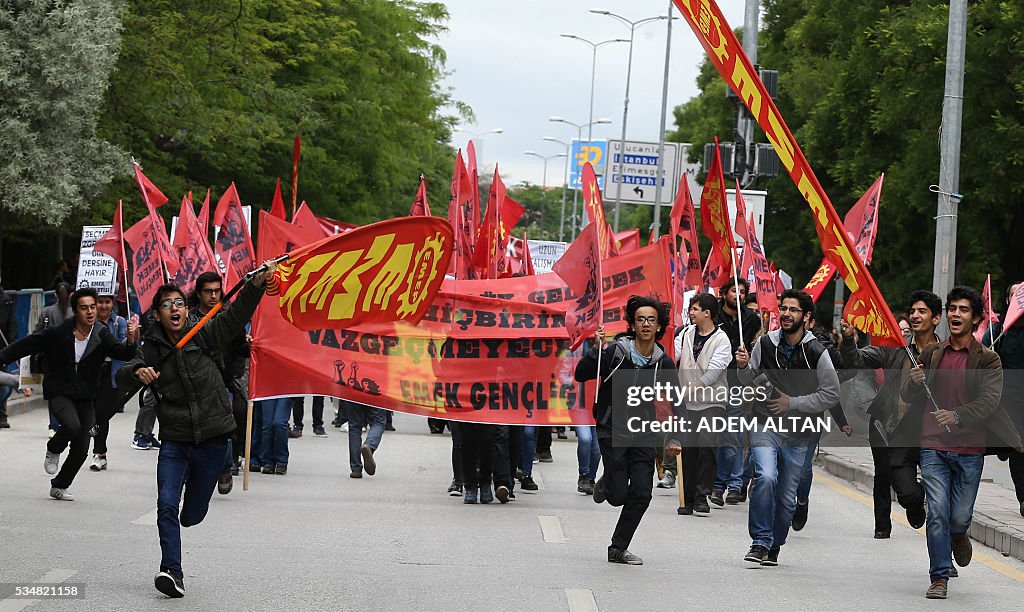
[
  {"x": 425, "y": 271},
  {"x": 812, "y": 197},
  {"x": 295, "y": 289},
  {"x": 747, "y": 87},
  {"x": 389, "y": 278},
  {"x": 343, "y": 304},
  {"x": 338, "y": 270},
  {"x": 784, "y": 148},
  {"x": 843, "y": 253}
]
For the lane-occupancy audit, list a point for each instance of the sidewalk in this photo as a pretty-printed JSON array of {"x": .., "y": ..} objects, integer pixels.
[
  {"x": 997, "y": 521},
  {"x": 19, "y": 404}
]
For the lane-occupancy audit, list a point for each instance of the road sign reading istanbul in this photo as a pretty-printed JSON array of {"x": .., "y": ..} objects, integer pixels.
[
  {"x": 633, "y": 169},
  {"x": 582, "y": 151}
]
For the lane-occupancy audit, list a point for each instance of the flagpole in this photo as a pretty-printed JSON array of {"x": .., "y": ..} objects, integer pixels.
[
  {"x": 736, "y": 286},
  {"x": 927, "y": 389}
]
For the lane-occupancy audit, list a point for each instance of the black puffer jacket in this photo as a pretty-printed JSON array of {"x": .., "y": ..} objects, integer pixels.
[
  {"x": 192, "y": 403},
  {"x": 63, "y": 376}
]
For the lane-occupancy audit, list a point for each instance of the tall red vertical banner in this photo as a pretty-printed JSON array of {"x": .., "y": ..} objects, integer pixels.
[
  {"x": 296, "y": 151},
  {"x": 866, "y": 309}
]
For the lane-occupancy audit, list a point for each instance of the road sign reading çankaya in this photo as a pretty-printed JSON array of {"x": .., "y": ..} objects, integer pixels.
[
  {"x": 96, "y": 270},
  {"x": 582, "y": 151},
  {"x": 633, "y": 169}
]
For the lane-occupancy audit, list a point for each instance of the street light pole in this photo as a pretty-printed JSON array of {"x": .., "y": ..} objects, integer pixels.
[
  {"x": 565, "y": 185},
  {"x": 478, "y": 145},
  {"x": 633, "y": 25},
  {"x": 579, "y": 136},
  {"x": 544, "y": 183},
  {"x": 661, "y": 129}
]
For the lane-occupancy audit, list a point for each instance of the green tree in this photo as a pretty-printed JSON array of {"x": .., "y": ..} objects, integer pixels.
[
  {"x": 55, "y": 62},
  {"x": 861, "y": 86}
]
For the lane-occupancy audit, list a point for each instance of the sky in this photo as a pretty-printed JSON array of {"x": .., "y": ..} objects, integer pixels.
[{"x": 508, "y": 62}]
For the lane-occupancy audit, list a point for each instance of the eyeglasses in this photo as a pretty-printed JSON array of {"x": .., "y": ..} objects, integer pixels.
[
  {"x": 783, "y": 309},
  {"x": 169, "y": 304},
  {"x": 646, "y": 320}
]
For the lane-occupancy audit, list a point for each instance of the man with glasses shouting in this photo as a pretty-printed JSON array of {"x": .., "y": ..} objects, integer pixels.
[
  {"x": 192, "y": 408},
  {"x": 796, "y": 373}
]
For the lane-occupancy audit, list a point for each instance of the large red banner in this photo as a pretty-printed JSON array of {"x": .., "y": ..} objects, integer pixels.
[
  {"x": 866, "y": 309},
  {"x": 492, "y": 351}
]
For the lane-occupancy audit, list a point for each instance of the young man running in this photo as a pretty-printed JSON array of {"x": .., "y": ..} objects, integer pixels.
[{"x": 192, "y": 407}]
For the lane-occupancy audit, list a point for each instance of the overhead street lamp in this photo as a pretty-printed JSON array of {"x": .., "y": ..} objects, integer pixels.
[
  {"x": 544, "y": 183},
  {"x": 565, "y": 184},
  {"x": 579, "y": 136},
  {"x": 593, "y": 68},
  {"x": 479, "y": 135},
  {"x": 633, "y": 25}
]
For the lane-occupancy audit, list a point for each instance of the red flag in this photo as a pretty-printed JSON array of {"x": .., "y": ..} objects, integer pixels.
[
  {"x": 192, "y": 249},
  {"x": 764, "y": 279},
  {"x": 502, "y": 214},
  {"x": 527, "y": 258},
  {"x": 296, "y": 150},
  {"x": 863, "y": 215},
  {"x": 148, "y": 265},
  {"x": 420, "y": 207},
  {"x": 112, "y": 243},
  {"x": 714, "y": 216},
  {"x": 580, "y": 268},
  {"x": 379, "y": 273},
  {"x": 741, "y": 230},
  {"x": 461, "y": 189},
  {"x": 233, "y": 245},
  {"x": 150, "y": 194},
  {"x": 277, "y": 204},
  {"x": 988, "y": 316},
  {"x": 684, "y": 225},
  {"x": 204, "y": 217},
  {"x": 473, "y": 204},
  {"x": 627, "y": 241},
  {"x": 305, "y": 219},
  {"x": 866, "y": 309},
  {"x": 1015, "y": 308},
  {"x": 595, "y": 211}
]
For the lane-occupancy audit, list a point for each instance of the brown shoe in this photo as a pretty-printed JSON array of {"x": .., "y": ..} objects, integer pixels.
[
  {"x": 962, "y": 550},
  {"x": 937, "y": 590},
  {"x": 356, "y": 475},
  {"x": 368, "y": 463},
  {"x": 224, "y": 484}
]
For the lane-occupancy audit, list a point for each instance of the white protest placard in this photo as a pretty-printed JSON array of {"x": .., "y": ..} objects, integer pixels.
[
  {"x": 544, "y": 254},
  {"x": 96, "y": 270}
]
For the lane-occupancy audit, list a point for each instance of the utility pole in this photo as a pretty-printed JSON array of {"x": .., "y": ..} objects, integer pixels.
[
  {"x": 659, "y": 177},
  {"x": 744, "y": 120},
  {"x": 949, "y": 147}
]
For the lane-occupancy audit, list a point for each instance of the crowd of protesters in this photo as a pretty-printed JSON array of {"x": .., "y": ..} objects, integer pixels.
[{"x": 938, "y": 407}]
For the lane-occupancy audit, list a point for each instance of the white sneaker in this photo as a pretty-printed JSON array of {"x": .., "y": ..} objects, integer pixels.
[
  {"x": 668, "y": 481},
  {"x": 51, "y": 462},
  {"x": 61, "y": 494},
  {"x": 344, "y": 427},
  {"x": 99, "y": 462}
]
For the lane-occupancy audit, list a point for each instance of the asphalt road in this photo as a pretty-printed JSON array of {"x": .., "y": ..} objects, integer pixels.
[{"x": 316, "y": 539}]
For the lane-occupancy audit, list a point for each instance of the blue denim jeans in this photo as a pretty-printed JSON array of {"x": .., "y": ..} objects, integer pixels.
[
  {"x": 5, "y": 392},
  {"x": 729, "y": 456},
  {"x": 778, "y": 460},
  {"x": 276, "y": 413},
  {"x": 530, "y": 449},
  {"x": 256, "y": 456},
  {"x": 951, "y": 485},
  {"x": 588, "y": 451},
  {"x": 360, "y": 416},
  {"x": 194, "y": 468},
  {"x": 807, "y": 473}
]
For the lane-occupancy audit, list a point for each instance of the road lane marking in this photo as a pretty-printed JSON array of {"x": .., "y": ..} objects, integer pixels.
[
  {"x": 982, "y": 557},
  {"x": 55, "y": 576},
  {"x": 148, "y": 518},
  {"x": 551, "y": 528},
  {"x": 581, "y": 600}
]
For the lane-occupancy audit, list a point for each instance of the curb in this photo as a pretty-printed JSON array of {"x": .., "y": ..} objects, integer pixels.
[
  {"x": 23, "y": 405},
  {"x": 984, "y": 529}
]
